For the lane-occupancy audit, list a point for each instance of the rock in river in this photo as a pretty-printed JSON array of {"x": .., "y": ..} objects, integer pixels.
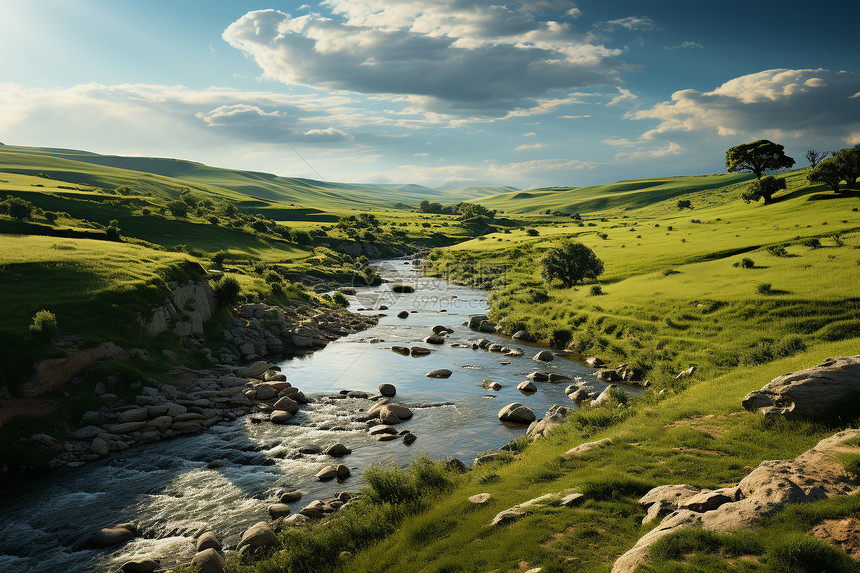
[
  {"x": 337, "y": 450},
  {"x": 544, "y": 356},
  {"x": 527, "y": 386},
  {"x": 440, "y": 373},
  {"x": 516, "y": 413},
  {"x": 209, "y": 560},
  {"x": 387, "y": 390}
]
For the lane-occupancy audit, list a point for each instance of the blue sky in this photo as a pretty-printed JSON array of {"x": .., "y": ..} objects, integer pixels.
[{"x": 528, "y": 93}]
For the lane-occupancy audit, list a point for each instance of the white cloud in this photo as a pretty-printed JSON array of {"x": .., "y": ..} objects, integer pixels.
[
  {"x": 630, "y": 23},
  {"x": 530, "y": 134},
  {"x": 804, "y": 105},
  {"x": 623, "y": 95},
  {"x": 524, "y": 172},
  {"x": 574, "y": 116},
  {"x": 684, "y": 45},
  {"x": 527, "y": 147},
  {"x": 659, "y": 152},
  {"x": 454, "y": 56}
]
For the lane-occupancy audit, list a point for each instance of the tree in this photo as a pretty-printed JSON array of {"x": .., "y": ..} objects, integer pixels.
[
  {"x": 763, "y": 188},
  {"x": 827, "y": 172},
  {"x": 684, "y": 204},
  {"x": 757, "y": 157},
  {"x": 848, "y": 161},
  {"x": 815, "y": 157},
  {"x": 570, "y": 262}
]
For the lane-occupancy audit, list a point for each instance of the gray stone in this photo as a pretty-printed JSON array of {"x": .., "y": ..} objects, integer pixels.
[
  {"x": 516, "y": 413},
  {"x": 140, "y": 566},
  {"x": 595, "y": 362},
  {"x": 435, "y": 339},
  {"x": 337, "y": 450},
  {"x": 544, "y": 356},
  {"x": 327, "y": 473},
  {"x": 440, "y": 373},
  {"x": 527, "y": 386},
  {"x": 409, "y": 438},
  {"x": 387, "y": 390},
  {"x": 381, "y": 429},
  {"x": 187, "y": 427},
  {"x": 133, "y": 415},
  {"x": 161, "y": 423},
  {"x": 290, "y": 496},
  {"x": 288, "y": 404},
  {"x": 280, "y": 417},
  {"x": 126, "y": 428},
  {"x": 258, "y": 535},
  {"x": 480, "y": 498},
  {"x": 585, "y": 448},
  {"x": 811, "y": 393},
  {"x": 209, "y": 561},
  {"x": 554, "y": 417},
  {"x": 257, "y": 369},
  {"x": 277, "y": 510},
  {"x": 110, "y": 536},
  {"x": 265, "y": 392},
  {"x": 86, "y": 433},
  {"x": 99, "y": 447}
]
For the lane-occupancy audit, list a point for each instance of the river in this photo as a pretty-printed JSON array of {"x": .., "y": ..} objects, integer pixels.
[{"x": 166, "y": 487}]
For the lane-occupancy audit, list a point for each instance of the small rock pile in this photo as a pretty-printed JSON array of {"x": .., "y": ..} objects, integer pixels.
[{"x": 168, "y": 411}]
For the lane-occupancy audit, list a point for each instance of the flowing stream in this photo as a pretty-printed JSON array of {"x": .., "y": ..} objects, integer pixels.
[{"x": 166, "y": 487}]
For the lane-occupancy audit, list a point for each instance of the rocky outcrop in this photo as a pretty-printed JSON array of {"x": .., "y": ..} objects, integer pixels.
[
  {"x": 555, "y": 416},
  {"x": 187, "y": 307},
  {"x": 565, "y": 498},
  {"x": 261, "y": 330},
  {"x": 811, "y": 393},
  {"x": 815, "y": 474}
]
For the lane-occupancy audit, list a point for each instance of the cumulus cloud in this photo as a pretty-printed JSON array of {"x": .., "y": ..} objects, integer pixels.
[
  {"x": 526, "y": 147},
  {"x": 525, "y": 172},
  {"x": 655, "y": 153},
  {"x": 803, "y": 105},
  {"x": 623, "y": 95},
  {"x": 684, "y": 45},
  {"x": 630, "y": 23},
  {"x": 455, "y": 56}
]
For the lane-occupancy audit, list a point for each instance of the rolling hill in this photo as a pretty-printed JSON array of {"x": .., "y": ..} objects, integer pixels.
[
  {"x": 88, "y": 168},
  {"x": 629, "y": 194}
]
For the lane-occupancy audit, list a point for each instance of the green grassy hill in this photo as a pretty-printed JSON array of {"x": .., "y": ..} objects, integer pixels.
[
  {"x": 626, "y": 195},
  {"x": 112, "y": 170},
  {"x": 676, "y": 291}
]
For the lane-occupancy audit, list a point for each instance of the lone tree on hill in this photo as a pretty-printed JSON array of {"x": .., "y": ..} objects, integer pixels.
[
  {"x": 570, "y": 262},
  {"x": 757, "y": 157},
  {"x": 763, "y": 188}
]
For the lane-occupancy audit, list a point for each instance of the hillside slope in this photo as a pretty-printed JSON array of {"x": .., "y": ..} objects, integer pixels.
[
  {"x": 248, "y": 184},
  {"x": 629, "y": 194}
]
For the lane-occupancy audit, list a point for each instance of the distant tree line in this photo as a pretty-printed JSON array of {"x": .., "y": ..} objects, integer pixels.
[{"x": 463, "y": 210}]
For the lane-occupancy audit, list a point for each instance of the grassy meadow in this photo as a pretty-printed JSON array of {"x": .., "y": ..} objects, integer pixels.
[{"x": 745, "y": 292}]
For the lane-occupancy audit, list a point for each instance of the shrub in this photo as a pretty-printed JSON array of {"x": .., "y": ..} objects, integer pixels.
[
  {"x": 777, "y": 251},
  {"x": 800, "y": 552},
  {"x": 112, "y": 231},
  {"x": 746, "y": 263},
  {"x": 227, "y": 291},
  {"x": 178, "y": 208},
  {"x": 44, "y": 324},
  {"x": 596, "y": 290},
  {"x": 219, "y": 258},
  {"x": 50, "y": 217},
  {"x": 532, "y": 232},
  {"x": 560, "y": 337},
  {"x": 812, "y": 242},
  {"x": 340, "y": 299},
  {"x": 18, "y": 208},
  {"x": 684, "y": 204},
  {"x": 763, "y": 288}
]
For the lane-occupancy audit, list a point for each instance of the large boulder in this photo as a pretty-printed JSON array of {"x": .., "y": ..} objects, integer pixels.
[
  {"x": 133, "y": 415},
  {"x": 280, "y": 417},
  {"x": 208, "y": 540},
  {"x": 811, "y": 393},
  {"x": 475, "y": 321},
  {"x": 387, "y": 390},
  {"x": 287, "y": 404},
  {"x": 516, "y": 413},
  {"x": 815, "y": 474},
  {"x": 115, "y": 535},
  {"x": 99, "y": 447},
  {"x": 209, "y": 561},
  {"x": 258, "y": 535}
]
